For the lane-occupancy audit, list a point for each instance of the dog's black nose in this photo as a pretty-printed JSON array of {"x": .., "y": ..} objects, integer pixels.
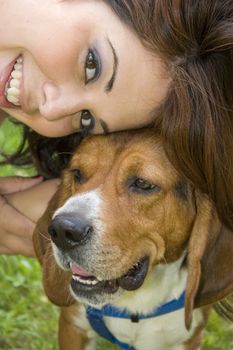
[{"x": 66, "y": 231}]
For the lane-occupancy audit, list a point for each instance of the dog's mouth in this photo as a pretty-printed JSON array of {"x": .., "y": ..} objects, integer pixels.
[{"x": 84, "y": 284}]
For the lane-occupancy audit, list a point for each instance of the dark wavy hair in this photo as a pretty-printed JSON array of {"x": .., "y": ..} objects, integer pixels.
[
  {"x": 48, "y": 155},
  {"x": 195, "y": 40}
]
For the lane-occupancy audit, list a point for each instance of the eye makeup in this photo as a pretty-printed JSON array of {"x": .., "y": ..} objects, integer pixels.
[{"x": 104, "y": 126}]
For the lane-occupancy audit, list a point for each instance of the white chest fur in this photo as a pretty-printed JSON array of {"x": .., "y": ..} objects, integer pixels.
[{"x": 165, "y": 332}]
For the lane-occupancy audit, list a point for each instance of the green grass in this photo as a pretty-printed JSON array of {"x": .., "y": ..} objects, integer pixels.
[
  {"x": 27, "y": 320},
  {"x": 9, "y": 141}
]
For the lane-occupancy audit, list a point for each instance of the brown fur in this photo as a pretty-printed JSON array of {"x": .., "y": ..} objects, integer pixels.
[
  {"x": 70, "y": 336},
  {"x": 161, "y": 224}
]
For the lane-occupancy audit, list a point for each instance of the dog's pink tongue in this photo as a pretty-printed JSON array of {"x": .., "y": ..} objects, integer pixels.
[{"x": 77, "y": 270}]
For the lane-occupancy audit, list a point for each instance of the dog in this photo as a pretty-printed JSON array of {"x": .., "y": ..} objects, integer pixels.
[{"x": 130, "y": 249}]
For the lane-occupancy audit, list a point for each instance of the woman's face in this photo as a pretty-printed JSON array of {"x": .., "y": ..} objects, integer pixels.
[{"x": 59, "y": 58}]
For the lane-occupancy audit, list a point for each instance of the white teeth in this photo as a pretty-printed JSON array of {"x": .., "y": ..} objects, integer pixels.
[
  {"x": 84, "y": 281},
  {"x": 18, "y": 66},
  {"x": 12, "y": 91},
  {"x": 20, "y": 60},
  {"x": 13, "y": 100},
  {"x": 14, "y": 83},
  {"x": 16, "y": 74}
]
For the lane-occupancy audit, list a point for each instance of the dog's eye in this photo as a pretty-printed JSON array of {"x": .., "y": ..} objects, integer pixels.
[
  {"x": 140, "y": 184},
  {"x": 78, "y": 176}
]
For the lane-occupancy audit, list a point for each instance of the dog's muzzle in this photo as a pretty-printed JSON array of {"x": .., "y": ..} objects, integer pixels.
[{"x": 69, "y": 231}]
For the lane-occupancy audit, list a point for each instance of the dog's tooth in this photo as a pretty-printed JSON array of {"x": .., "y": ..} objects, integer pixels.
[
  {"x": 94, "y": 282},
  {"x": 85, "y": 281},
  {"x": 91, "y": 282},
  {"x": 75, "y": 278}
]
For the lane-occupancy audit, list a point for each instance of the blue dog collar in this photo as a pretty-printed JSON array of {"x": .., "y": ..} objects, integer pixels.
[{"x": 96, "y": 318}]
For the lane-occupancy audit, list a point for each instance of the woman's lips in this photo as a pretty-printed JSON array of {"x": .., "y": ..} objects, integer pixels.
[{"x": 4, "y": 78}]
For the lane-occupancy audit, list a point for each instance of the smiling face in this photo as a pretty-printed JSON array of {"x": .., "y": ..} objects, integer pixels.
[
  {"x": 60, "y": 58},
  {"x": 119, "y": 192}
]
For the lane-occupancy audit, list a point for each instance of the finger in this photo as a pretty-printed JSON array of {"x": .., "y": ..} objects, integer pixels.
[
  {"x": 13, "y": 184},
  {"x": 15, "y": 223},
  {"x": 15, "y": 245},
  {"x": 4, "y": 250},
  {"x": 3, "y": 115}
]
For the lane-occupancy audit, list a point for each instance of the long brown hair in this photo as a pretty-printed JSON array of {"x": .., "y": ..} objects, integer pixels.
[{"x": 195, "y": 39}]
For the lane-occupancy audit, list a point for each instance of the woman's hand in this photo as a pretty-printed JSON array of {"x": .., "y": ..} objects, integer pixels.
[
  {"x": 22, "y": 202},
  {"x": 2, "y": 116}
]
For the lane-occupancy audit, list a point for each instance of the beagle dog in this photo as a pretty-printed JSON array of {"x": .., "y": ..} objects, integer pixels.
[{"x": 130, "y": 250}]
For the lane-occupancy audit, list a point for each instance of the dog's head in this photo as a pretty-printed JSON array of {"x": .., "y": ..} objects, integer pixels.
[{"x": 121, "y": 209}]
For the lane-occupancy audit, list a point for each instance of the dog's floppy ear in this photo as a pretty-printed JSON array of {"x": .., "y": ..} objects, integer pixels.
[
  {"x": 210, "y": 260},
  {"x": 55, "y": 280},
  {"x": 41, "y": 240}
]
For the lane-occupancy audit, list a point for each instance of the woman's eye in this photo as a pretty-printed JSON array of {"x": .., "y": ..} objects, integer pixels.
[
  {"x": 92, "y": 66},
  {"x": 87, "y": 121}
]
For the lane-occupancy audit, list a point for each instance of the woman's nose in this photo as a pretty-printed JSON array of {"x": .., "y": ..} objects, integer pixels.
[{"x": 59, "y": 101}]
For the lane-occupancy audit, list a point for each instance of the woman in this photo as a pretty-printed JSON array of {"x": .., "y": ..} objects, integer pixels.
[{"x": 115, "y": 65}]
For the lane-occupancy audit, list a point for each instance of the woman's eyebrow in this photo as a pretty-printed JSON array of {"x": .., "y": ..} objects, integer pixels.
[{"x": 109, "y": 85}]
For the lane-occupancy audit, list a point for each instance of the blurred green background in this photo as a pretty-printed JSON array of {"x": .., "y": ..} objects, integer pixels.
[{"x": 27, "y": 320}]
